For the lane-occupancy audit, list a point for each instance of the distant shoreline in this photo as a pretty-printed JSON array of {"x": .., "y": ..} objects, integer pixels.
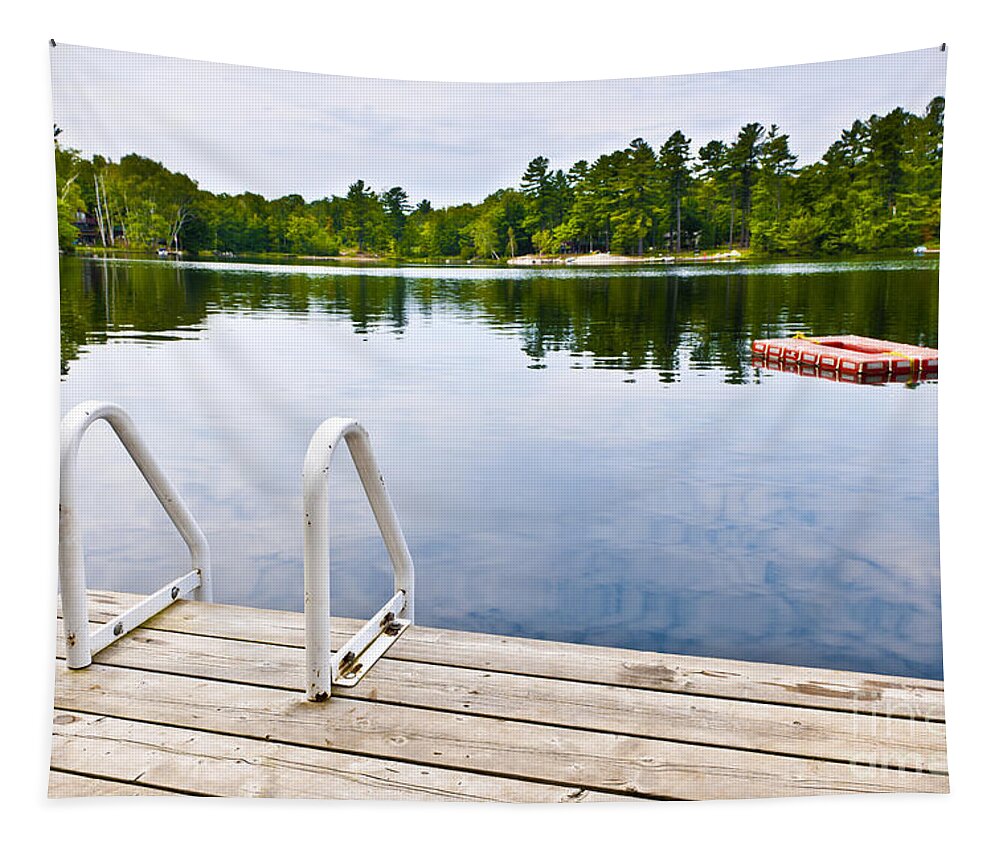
[{"x": 595, "y": 260}]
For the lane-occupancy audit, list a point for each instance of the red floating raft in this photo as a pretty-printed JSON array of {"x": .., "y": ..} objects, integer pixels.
[{"x": 850, "y": 354}]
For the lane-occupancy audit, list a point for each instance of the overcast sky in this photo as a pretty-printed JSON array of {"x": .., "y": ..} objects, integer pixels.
[{"x": 235, "y": 128}]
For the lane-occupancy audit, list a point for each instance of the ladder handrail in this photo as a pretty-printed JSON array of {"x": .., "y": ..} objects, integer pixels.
[
  {"x": 316, "y": 539},
  {"x": 80, "y": 644}
]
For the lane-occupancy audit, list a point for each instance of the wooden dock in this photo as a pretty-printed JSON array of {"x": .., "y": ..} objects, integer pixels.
[{"x": 207, "y": 700}]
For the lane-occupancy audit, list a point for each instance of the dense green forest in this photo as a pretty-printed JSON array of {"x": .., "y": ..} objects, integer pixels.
[{"x": 878, "y": 186}]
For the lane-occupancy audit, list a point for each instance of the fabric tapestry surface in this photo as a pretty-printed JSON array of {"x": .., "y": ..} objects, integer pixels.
[{"x": 528, "y": 442}]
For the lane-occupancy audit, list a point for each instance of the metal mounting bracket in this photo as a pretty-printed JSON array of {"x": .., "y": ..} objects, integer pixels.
[{"x": 369, "y": 644}]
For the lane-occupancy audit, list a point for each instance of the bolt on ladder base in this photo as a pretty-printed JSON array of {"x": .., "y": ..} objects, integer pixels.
[{"x": 357, "y": 656}]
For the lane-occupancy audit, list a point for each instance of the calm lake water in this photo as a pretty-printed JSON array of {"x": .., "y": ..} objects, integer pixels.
[{"x": 579, "y": 455}]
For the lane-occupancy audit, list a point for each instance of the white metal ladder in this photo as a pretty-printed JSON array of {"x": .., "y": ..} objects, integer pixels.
[
  {"x": 81, "y": 644},
  {"x": 351, "y": 662},
  {"x": 355, "y": 658}
]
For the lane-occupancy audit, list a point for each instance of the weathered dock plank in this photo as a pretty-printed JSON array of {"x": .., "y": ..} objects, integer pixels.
[
  {"x": 597, "y": 761},
  {"x": 759, "y": 682},
  {"x": 194, "y": 762},
  {"x": 863, "y": 739},
  {"x": 207, "y": 700}
]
